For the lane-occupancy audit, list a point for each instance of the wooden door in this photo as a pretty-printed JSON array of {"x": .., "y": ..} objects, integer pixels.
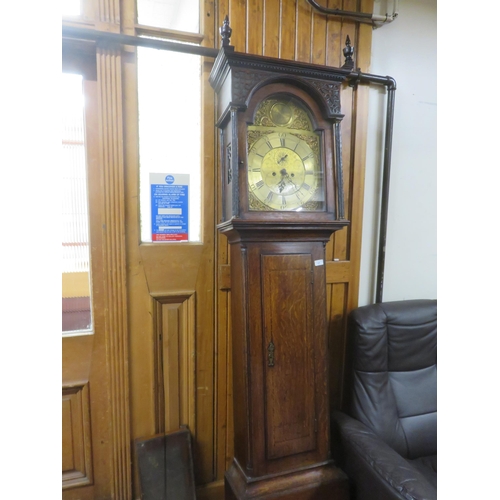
[
  {"x": 289, "y": 339},
  {"x": 170, "y": 291},
  {"x": 171, "y": 297},
  {"x": 94, "y": 430}
]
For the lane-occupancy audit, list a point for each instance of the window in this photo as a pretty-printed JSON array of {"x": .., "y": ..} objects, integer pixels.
[
  {"x": 76, "y": 310},
  {"x": 169, "y": 144},
  {"x": 169, "y": 14},
  {"x": 71, "y": 7}
]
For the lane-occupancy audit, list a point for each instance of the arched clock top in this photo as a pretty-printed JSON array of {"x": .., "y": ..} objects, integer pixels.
[
  {"x": 283, "y": 109},
  {"x": 237, "y": 76},
  {"x": 245, "y": 82}
]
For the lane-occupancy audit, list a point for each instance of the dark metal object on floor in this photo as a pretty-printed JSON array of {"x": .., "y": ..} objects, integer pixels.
[{"x": 166, "y": 466}]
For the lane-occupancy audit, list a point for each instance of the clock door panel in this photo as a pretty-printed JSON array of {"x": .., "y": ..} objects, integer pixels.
[{"x": 289, "y": 369}]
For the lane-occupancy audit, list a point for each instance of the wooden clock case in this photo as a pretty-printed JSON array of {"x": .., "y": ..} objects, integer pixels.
[{"x": 278, "y": 289}]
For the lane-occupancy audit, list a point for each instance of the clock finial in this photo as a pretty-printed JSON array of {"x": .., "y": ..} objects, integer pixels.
[
  {"x": 225, "y": 32},
  {"x": 348, "y": 53}
]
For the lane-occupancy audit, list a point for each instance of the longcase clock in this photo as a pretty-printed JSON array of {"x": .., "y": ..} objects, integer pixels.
[{"x": 282, "y": 198}]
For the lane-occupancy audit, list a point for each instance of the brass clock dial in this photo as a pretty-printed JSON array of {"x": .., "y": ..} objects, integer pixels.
[
  {"x": 284, "y": 162},
  {"x": 283, "y": 171}
]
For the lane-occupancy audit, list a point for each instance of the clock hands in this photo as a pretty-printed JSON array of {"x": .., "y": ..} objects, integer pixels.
[
  {"x": 281, "y": 183},
  {"x": 289, "y": 179},
  {"x": 285, "y": 177},
  {"x": 282, "y": 159}
]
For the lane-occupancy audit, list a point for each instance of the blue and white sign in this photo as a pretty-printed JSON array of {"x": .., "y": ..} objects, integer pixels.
[{"x": 169, "y": 207}]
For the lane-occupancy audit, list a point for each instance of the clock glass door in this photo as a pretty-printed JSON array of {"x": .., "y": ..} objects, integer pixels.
[{"x": 284, "y": 158}]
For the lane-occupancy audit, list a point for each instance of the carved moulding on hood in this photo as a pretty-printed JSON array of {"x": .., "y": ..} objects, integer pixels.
[
  {"x": 244, "y": 81},
  {"x": 330, "y": 93}
]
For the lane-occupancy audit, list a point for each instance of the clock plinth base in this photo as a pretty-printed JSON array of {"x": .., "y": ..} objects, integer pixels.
[{"x": 323, "y": 481}]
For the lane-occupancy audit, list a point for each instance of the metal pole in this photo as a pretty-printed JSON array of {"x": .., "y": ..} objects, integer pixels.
[
  {"x": 361, "y": 17},
  {"x": 385, "y": 195},
  {"x": 136, "y": 41},
  {"x": 390, "y": 83}
]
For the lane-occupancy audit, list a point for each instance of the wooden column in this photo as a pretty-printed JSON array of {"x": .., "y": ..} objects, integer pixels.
[{"x": 114, "y": 257}]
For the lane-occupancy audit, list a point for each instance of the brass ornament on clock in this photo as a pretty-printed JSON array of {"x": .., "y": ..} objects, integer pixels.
[{"x": 281, "y": 113}]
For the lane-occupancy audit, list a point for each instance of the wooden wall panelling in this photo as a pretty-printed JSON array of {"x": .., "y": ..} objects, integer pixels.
[
  {"x": 254, "y": 27},
  {"x": 205, "y": 391},
  {"x": 362, "y": 44},
  {"x": 334, "y": 58},
  {"x": 224, "y": 365},
  {"x": 333, "y": 30},
  {"x": 143, "y": 416},
  {"x": 175, "y": 318},
  {"x": 341, "y": 241},
  {"x": 337, "y": 302},
  {"x": 348, "y": 28},
  {"x": 358, "y": 158},
  {"x": 77, "y": 456},
  {"x": 109, "y": 13},
  {"x": 112, "y": 165},
  {"x": 344, "y": 247},
  {"x": 223, "y": 408},
  {"x": 205, "y": 284},
  {"x": 211, "y": 491},
  {"x": 76, "y": 437},
  {"x": 237, "y": 18},
  {"x": 143, "y": 397},
  {"x": 114, "y": 283},
  {"x": 230, "y": 407},
  {"x": 288, "y": 29},
  {"x": 304, "y": 17},
  {"x": 318, "y": 38},
  {"x": 338, "y": 248},
  {"x": 271, "y": 28},
  {"x": 222, "y": 8},
  {"x": 76, "y": 359}
]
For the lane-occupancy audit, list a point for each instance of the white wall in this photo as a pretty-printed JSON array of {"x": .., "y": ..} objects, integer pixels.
[{"x": 406, "y": 50}]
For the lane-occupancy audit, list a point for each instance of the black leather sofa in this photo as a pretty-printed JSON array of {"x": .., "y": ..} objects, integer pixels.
[{"x": 386, "y": 441}]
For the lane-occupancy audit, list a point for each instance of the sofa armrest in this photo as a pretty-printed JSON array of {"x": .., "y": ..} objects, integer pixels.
[{"x": 374, "y": 468}]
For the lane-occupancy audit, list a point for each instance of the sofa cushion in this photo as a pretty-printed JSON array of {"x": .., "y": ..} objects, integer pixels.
[{"x": 395, "y": 374}]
